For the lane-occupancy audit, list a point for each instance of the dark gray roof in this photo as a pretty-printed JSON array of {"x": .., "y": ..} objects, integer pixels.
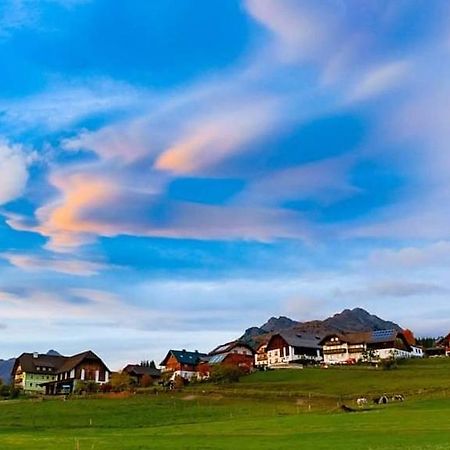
[
  {"x": 137, "y": 369},
  {"x": 29, "y": 362},
  {"x": 299, "y": 339},
  {"x": 184, "y": 357}
]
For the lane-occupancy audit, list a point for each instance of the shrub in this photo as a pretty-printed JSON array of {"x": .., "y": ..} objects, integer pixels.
[
  {"x": 225, "y": 374},
  {"x": 86, "y": 387},
  {"x": 388, "y": 364},
  {"x": 120, "y": 382}
]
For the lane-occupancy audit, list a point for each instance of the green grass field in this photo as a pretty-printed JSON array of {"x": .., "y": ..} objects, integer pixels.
[{"x": 294, "y": 409}]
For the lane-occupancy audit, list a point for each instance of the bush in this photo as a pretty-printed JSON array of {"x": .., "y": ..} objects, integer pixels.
[
  {"x": 120, "y": 382},
  {"x": 388, "y": 364},
  {"x": 86, "y": 387},
  {"x": 221, "y": 374}
]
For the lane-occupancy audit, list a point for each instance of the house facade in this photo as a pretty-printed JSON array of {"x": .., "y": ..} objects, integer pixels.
[
  {"x": 444, "y": 343},
  {"x": 236, "y": 354},
  {"x": 83, "y": 367},
  {"x": 31, "y": 370},
  {"x": 344, "y": 348},
  {"x": 287, "y": 348},
  {"x": 57, "y": 374},
  {"x": 182, "y": 363},
  {"x": 261, "y": 358},
  {"x": 138, "y": 371}
]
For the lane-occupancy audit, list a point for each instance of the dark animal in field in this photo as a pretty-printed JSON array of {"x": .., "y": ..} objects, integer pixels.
[
  {"x": 398, "y": 398},
  {"x": 383, "y": 400}
]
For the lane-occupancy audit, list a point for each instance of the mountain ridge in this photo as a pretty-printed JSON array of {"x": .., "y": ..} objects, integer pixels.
[{"x": 348, "y": 320}]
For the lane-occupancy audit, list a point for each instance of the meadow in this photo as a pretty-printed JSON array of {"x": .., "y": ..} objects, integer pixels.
[{"x": 287, "y": 409}]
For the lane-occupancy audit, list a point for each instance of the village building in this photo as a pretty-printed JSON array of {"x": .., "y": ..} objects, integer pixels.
[
  {"x": 30, "y": 370},
  {"x": 287, "y": 348},
  {"x": 444, "y": 344},
  {"x": 261, "y": 358},
  {"x": 138, "y": 371},
  {"x": 57, "y": 374},
  {"x": 345, "y": 348},
  {"x": 182, "y": 363},
  {"x": 236, "y": 354},
  {"x": 80, "y": 368}
]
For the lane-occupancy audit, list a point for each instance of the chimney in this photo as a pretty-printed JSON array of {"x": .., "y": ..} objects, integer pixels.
[{"x": 35, "y": 354}]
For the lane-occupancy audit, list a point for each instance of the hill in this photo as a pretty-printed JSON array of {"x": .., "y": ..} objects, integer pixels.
[
  {"x": 6, "y": 366},
  {"x": 356, "y": 319}
]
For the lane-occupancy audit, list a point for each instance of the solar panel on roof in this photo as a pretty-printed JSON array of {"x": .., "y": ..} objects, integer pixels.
[{"x": 382, "y": 334}]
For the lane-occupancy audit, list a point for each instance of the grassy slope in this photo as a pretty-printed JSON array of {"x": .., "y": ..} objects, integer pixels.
[{"x": 235, "y": 417}]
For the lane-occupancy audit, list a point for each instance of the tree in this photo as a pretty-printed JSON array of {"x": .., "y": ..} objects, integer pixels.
[{"x": 120, "y": 382}]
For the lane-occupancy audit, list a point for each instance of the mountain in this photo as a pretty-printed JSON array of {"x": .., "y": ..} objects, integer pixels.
[
  {"x": 6, "y": 366},
  {"x": 5, "y": 369},
  {"x": 277, "y": 324},
  {"x": 359, "y": 319},
  {"x": 356, "y": 319}
]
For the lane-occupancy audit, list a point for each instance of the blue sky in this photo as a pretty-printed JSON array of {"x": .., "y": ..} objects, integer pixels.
[{"x": 174, "y": 171}]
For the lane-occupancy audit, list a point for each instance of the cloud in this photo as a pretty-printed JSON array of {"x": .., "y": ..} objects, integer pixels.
[
  {"x": 91, "y": 204},
  {"x": 34, "y": 263},
  {"x": 325, "y": 180},
  {"x": 49, "y": 110},
  {"x": 379, "y": 79},
  {"x": 303, "y": 30},
  {"x": 436, "y": 254},
  {"x": 219, "y": 135},
  {"x": 13, "y": 172}
]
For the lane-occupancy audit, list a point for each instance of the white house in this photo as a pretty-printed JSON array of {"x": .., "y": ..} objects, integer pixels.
[
  {"x": 341, "y": 348},
  {"x": 290, "y": 347}
]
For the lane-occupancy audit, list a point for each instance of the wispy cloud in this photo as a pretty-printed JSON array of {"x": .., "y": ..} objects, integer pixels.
[
  {"x": 36, "y": 263},
  {"x": 13, "y": 171}
]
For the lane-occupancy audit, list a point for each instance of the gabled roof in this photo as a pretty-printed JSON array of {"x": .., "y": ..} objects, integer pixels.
[
  {"x": 229, "y": 346},
  {"x": 368, "y": 337},
  {"x": 298, "y": 339},
  {"x": 443, "y": 341},
  {"x": 29, "y": 362},
  {"x": 73, "y": 361},
  {"x": 137, "y": 369},
  {"x": 184, "y": 357}
]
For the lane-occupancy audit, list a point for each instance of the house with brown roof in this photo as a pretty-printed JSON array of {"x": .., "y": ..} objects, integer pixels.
[
  {"x": 138, "y": 371},
  {"x": 261, "y": 359},
  {"x": 30, "y": 370},
  {"x": 57, "y": 374},
  {"x": 342, "y": 348}
]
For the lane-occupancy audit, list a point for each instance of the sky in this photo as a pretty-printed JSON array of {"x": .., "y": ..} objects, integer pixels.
[{"x": 173, "y": 172}]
